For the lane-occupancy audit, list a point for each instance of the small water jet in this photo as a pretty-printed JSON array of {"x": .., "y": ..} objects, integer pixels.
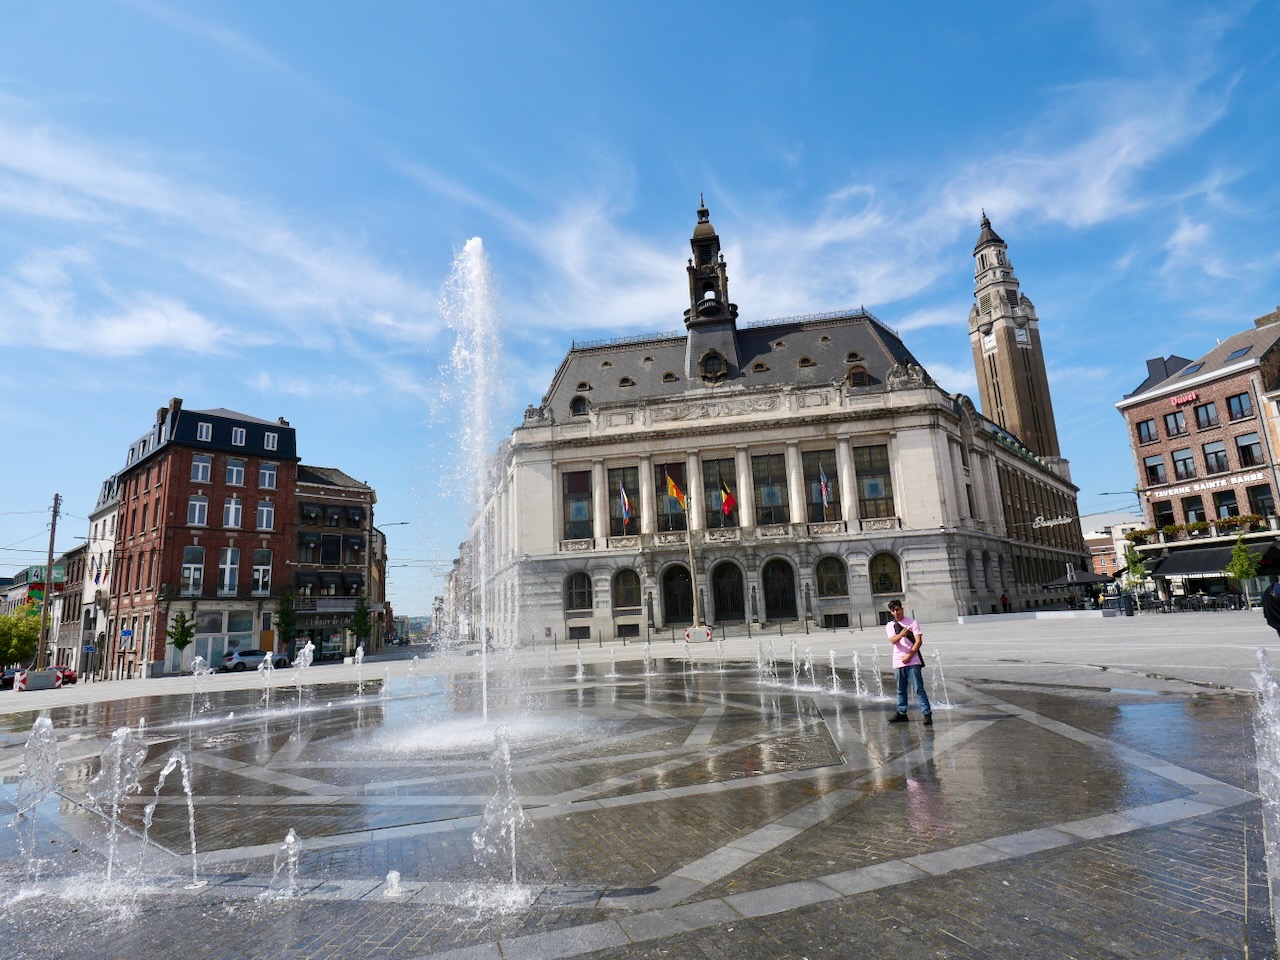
[
  {"x": 176, "y": 759},
  {"x": 199, "y": 670},
  {"x": 300, "y": 665},
  {"x": 859, "y": 685},
  {"x": 284, "y": 865},
  {"x": 808, "y": 668},
  {"x": 875, "y": 669},
  {"x": 719, "y": 655},
  {"x": 835, "y": 676},
  {"x": 393, "y": 888},
  {"x": 118, "y": 777},
  {"x": 266, "y": 672},
  {"x": 495, "y": 840},
  {"x": 582, "y": 672},
  {"x": 940, "y": 676},
  {"x": 648, "y": 659},
  {"x": 613, "y": 664},
  {"x": 37, "y": 780},
  {"x": 359, "y": 662},
  {"x": 795, "y": 665}
]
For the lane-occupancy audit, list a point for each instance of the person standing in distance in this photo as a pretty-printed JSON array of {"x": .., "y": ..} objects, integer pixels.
[{"x": 906, "y": 636}]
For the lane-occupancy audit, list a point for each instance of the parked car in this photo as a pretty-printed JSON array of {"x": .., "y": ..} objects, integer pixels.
[
  {"x": 6, "y": 679},
  {"x": 249, "y": 660},
  {"x": 68, "y": 673}
]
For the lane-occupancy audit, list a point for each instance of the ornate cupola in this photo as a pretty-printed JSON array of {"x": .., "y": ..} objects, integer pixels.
[
  {"x": 711, "y": 353},
  {"x": 1005, "y": 334}
]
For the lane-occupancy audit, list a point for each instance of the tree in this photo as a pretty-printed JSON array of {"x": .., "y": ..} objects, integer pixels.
[
  {"x": 19, "y": 634},
  {"x": 286, "y": 621},
  {"x": 182, "y": 630},
  {"x": 1135, "y": 571},
  {"x": 361, "y": 621},
  {"x": 1242, "y": 565}
]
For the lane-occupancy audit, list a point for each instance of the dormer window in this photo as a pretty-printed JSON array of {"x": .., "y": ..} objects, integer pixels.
[
  {"x": 204, "y": 431},
  {"x": 714, "y": 366},
  {"x": 759, "y": 367},
  {"x": 583, "y": 387},
  {"x": 669, "y": 377},
  {"x": 824, "y": 339},
  {"x": 778, "y": 344},
  {"x": 806, "y": 362},
  {"x": 853, "y": 356},
  {"x": 578, "y": 406},
  {"x": 626, "y": 382},
  {"x": 607, "y": 363},
  {"x": 857, "y": 377}
]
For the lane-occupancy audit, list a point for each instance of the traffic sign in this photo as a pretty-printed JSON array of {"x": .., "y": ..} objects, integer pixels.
[
  {"x": 89, "y": 648},
  {"x": 126, "y": 632},
  {"x": 697, "y": 634}
]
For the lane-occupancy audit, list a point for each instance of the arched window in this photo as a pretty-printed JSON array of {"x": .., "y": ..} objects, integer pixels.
[
  {"x": 806, "y": 362},
  {"x": 626, "y": 382},
  {"x": 885, "y": 573},
  {"x": 669, "y": 377},
  {"x": 577, "y": 592},
  {"x": 626, "y": 590},
  {"x": 857, "y": 377},
  {"x": 713, "y": 366},
  {"x": 853, "y": 356},
  {"x": 832, "y": 579},
  {"x": 583, "y": 387},
  {"x": 759, "y": 367},
  {"x": 578, "y": 406}
]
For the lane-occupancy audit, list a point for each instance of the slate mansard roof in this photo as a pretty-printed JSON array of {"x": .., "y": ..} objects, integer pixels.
[{"x": 795, "y": 351}]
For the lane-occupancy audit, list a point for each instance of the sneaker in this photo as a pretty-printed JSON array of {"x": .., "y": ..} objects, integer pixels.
[
  {"x": 928, "y": 720},
  {"x": 898, "y": 718}
]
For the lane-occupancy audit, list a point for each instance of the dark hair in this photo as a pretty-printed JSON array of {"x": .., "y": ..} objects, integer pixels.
[{"x": 895, "y": 604}]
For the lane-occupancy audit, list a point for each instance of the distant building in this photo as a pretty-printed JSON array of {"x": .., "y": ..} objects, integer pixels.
[
  {"x": 1105, "y": 536},
  {"x": 207, "y": 522},
  {"x": 799, "y": 469},
  {"x": 1204, "y": 446}
]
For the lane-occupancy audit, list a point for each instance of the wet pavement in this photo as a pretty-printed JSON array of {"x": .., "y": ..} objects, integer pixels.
[{"x": 1088, "y": 789}]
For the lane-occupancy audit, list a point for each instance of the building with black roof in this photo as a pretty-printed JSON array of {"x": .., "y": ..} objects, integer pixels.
[{"x": 804, "y": 468}]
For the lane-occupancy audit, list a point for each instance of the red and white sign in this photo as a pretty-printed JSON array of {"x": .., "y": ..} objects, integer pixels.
[
  {"x": 697, "y": 635},
  {"x": 1182, "y": 398}
]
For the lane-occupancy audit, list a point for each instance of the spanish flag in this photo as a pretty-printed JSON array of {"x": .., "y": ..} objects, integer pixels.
[
  {"x": 727, "y": 500},
  {"x": 676, "y": 493}
]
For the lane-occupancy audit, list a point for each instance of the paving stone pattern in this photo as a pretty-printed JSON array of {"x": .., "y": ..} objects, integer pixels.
[{"x": 682, "y": 815}]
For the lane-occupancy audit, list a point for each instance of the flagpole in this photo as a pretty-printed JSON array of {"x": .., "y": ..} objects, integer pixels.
[{"x": 693, "y": 575}]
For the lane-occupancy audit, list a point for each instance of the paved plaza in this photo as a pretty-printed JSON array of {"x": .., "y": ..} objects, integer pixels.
[{"x": 1089, "y": 789}]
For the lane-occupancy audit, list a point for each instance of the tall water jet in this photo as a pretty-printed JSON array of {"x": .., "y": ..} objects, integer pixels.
[
  {"x": 199, "y": 670},
  {"x": 859, "y": 688},
  {"x": 494, "y": 841},
  {"x": 835, "y": 676},
  {"x": 38, "y": 779},
  {"x": 359, "y": 661},
  {"x": 266, "y": 670},
  {"x": 1266, "y": 728},
  {"x": 648, "y": 659},
  {"x": 875, "y": 669},
  {"x": 118, "y": 777},
  {"x": 284, "y": 865},
  {"x": 467, "y": 304}
]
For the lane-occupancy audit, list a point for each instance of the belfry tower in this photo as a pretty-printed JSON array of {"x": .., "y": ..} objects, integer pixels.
[
  {"x": 1005, "y": 333},
  {"x": 711, "y": 351}
]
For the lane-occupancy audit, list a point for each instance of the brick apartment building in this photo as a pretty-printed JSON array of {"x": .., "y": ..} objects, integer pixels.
[{"x": 1205, "y": 452}]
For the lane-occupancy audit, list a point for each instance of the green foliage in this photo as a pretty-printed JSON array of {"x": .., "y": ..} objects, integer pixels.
[
  {"x": 1134, "y": 568},
  {"x": 182, "y": 630},
  {"x": 1243, "y": 564},
  {"x": 286, "y": 620},
  {"x": 361, "y": 621},
  {"x": 19, "y": 635}
]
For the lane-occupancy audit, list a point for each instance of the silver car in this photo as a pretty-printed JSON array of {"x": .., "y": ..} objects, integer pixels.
[{"x": 249, "y": 660}]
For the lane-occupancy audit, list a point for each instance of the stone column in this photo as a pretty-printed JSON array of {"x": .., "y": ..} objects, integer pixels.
[
  {"x": 797, "y": 505},
  {"x": 697, "y": 509},
  {"x": 599, "y": 504},
  {"x": 745, "y": 492},
  {"x": 648, "y": 502},
  {"x": 848, "y": 483}
]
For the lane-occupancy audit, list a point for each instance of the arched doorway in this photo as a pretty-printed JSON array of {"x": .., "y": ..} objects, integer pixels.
[
  {"x": 727, "y": 593},
  {"x": 779, "y": 590},
  {"x": 677, "y": 595}
]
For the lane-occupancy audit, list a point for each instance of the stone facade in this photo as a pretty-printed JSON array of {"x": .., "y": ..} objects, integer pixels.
[{"x": 806, "y": 468}]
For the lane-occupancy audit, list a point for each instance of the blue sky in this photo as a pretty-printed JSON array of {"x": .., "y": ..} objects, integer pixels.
[{"x": 256, "y": 205}]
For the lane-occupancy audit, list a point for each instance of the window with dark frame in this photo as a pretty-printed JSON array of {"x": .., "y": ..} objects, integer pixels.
[
  {"x": 671, "y": 516},
  {"x": 577, "y": 592},
  {"x": 1249, "y": 449},
  {"x": 1239, "y": 406},
  {"x": 1154, "y": 468},
  {"x": 1207, "y": 415},
  {"x": 1215, "y": 457},
  {"x": 1175, "y": 424},
  {"x": 1184, "y": 464},
  {"x": 575, "y": 488},
  {"x": 1147, "y": 431},
  {"x": 769, "y": 478}
]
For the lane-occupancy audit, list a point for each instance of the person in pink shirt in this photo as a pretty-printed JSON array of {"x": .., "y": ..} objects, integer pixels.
[{"x": 906, "y": 636}]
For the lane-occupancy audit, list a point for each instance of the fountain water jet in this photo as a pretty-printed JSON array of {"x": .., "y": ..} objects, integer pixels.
[
  {"x": 835, "y": 677},
  {"x": 199, "y": 670},
  {"x": 117, "y": 778},
  {"x": 176, "y": 759},
  {"x": 467, "y": 304},
  {"x": 38, "y": 779},
  {"x": 494, "y": 841}
]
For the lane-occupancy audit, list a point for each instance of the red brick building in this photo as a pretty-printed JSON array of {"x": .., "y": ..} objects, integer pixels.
[
  {"x": 206, "y": 526},
  {"x": 1205, "y": 457}
]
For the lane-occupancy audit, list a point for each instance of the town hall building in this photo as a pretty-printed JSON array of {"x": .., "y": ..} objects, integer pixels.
[{"x": 806, "y": 468}]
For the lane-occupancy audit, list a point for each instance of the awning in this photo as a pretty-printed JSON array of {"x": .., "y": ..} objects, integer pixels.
[
  {"x": 310, "y": 511},
  {"x": 307, "y": 579},
  {"x": 333, "y": 513},
  {"x": 355, "y": 542},
  {"x": 330, "y": 579},
  {"x": 353, "y": 579},
  {"x": 1205, "y": 561},
  {"x": 309, "y": 539},
  {"x": 355, "y": 513}
]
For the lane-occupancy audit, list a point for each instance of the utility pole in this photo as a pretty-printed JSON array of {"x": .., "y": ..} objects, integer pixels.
[{"x": 48, "y": 586}]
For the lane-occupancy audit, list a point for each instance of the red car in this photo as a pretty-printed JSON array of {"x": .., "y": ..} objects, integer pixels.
[{"x": 68, "y": 674}]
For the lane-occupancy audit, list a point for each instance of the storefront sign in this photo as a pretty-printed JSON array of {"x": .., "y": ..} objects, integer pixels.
[
  {"x": 1055, "y": 522},
  {"x": 1205, "y": 485},
  {"x": 1183, "y": 398}
]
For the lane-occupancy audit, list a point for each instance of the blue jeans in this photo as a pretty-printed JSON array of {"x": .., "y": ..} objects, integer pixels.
[{"x": 914, "y": 676}]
